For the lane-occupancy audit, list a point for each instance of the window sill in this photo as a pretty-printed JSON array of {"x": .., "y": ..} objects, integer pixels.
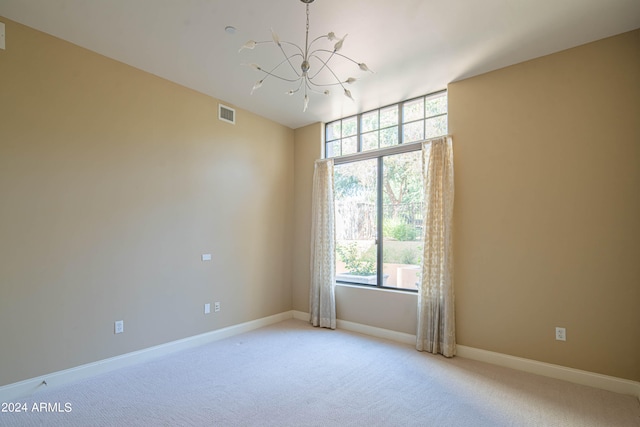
[{"x": 378, "y": 288}]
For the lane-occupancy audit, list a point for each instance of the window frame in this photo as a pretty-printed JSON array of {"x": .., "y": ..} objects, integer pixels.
[
  {"x": 379, "y": 155},
  {"x": 400, "y": 124}
]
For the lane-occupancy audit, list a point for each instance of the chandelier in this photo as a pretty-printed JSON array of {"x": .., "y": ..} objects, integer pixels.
[{"x": 300, "y": 61}]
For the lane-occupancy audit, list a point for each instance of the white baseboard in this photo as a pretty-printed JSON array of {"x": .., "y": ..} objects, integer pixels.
[
  {"x": 300, "y": 315},
  {"x": 377, "y": 332},
  {"x": 577, "y": 376},
  {"x": 24, "y": 388},
  {"x": 27, "y": 387},
  {"x": 365, "y": 329}
]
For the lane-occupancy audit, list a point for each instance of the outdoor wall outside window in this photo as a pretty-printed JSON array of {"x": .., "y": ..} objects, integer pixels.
[{"x": 379, "y": 192}]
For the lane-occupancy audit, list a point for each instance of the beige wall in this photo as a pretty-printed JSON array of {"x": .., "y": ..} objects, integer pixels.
[
  {"x": 547, "y": 159},
  {"x": 307, "y": 149},
  {"x": 547, "y": 207},
  {"x": 113, "y": 182},
  {"x": 386, "y": 309}
]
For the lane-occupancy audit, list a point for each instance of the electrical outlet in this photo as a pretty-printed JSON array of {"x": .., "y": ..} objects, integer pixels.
[
  {"x": 207, "y": 308},
  {"x": 561, "y": 334},
  {"x": 119, "y": 327},
  {"x": 216, "y": 306}
]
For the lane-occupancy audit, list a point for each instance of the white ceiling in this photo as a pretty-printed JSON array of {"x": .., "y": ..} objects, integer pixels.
[{"x": 414, "y": 46}]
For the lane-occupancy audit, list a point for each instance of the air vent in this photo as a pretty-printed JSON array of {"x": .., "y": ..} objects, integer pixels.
[{"x": 226, "y": 114}]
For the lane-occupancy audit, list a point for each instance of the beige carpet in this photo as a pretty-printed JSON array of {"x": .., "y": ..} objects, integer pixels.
[{"x": 291, "y": 374}]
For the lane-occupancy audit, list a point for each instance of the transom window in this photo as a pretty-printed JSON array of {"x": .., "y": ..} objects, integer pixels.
[{"x": 409, "y": 121}]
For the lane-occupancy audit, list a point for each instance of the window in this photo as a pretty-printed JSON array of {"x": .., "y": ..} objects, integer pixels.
[
  {"x": 379, "y": 192},
  {"x": 409, "y": 121}
]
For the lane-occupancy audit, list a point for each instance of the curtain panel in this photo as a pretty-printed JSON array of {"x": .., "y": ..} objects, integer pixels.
[
  {"x": 322, "y": 301},
  {"x": 436, "y": 314}
]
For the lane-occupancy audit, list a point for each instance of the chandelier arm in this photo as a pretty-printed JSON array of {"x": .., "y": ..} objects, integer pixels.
[
  {"x": 268, "y": 74},
  {"x": 324, "y": 63},
  {"x": 291, "y": 92},
  {"x": 272, "y": 74},
  {"x": 327, "y": 84},
  {"x": 288, "y": 58},
  {"x": 294, "y": 45},
  {"x": 338, "y": 82},
  {"x": 333, "y": 52},
  {"x": 309, "y": 83},
  {"x": 316, "y": 39},
  {"x": 282, "y": 42}
]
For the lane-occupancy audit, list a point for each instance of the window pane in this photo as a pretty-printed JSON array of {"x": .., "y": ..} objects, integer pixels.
[
  {"x": 436, "y": 126},
  {"x": 333, "y": 130},
  {"x": 370, "y": 141},
  {"x": 355, "y": 190},
  {"x": 349, "y": 126},
  {"x": 350, "y": 145},
  {"x": 389, "y": 116},
  {"x": 333, "y": 149},
  {"x": 369, "y": 121},
  {"x": 437, "y": 105},
  {"x": 389, "y": 137},
  {"x": 413, "y": 110},
  {"x": 402, "y": 220},
  {"x": 412, "y": 132},
  {"x": 329, "y": 150}
]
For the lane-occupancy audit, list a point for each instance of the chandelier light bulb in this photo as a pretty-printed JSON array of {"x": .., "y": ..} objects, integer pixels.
[
  {"x": 257, "y": 85},
  {"x": 338, "y": 45},
  {"x": 313, "y": 65},
  {"x": 248, "y": 45},
  {"x": 275, "y": 37}
]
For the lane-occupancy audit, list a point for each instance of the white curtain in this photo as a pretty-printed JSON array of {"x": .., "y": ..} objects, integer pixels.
[
  {"x": 322, "y": 301},
  {"x": 436, "y": 317}
]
